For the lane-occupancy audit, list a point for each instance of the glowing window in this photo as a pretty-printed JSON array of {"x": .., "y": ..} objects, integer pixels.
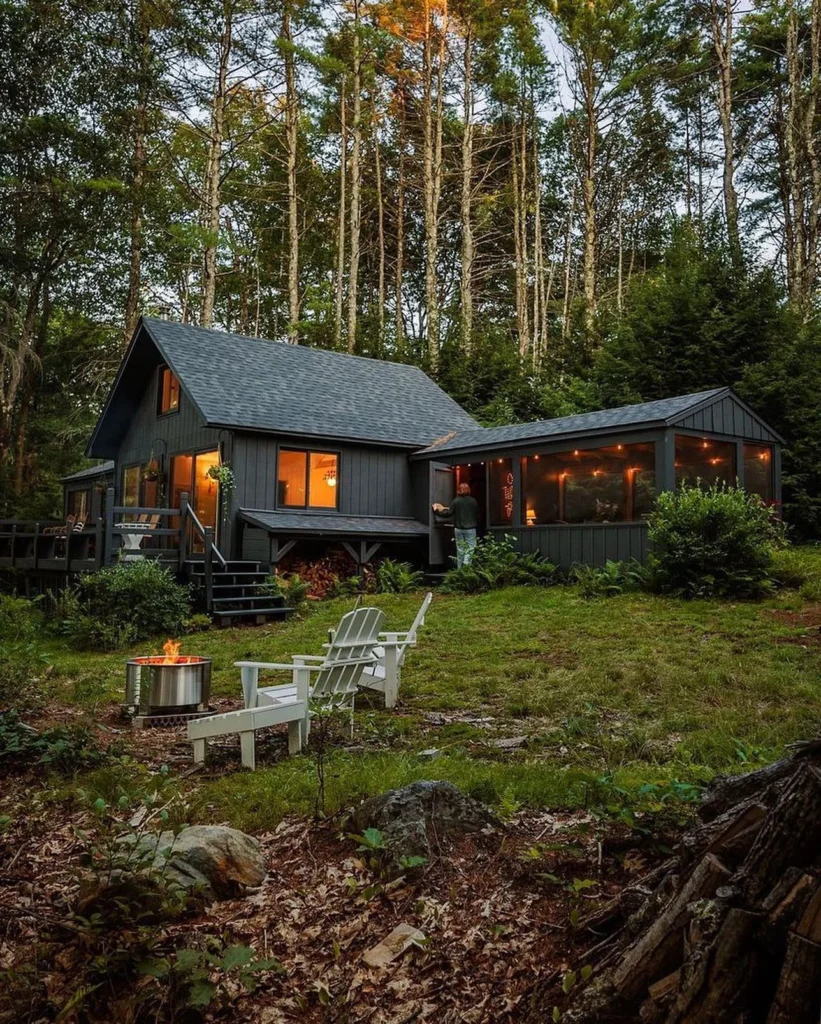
[
  {"x": 307, "y": 479},
  {"x": 758, "y": 470},
  {"x": 704, "y": 461},
  {"x": 169, "y": 392}
]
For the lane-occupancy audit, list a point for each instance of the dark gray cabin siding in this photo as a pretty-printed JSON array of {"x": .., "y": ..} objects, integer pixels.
[
  {"x": 728, "y": 418},
  {"x": 583, "y": 544},
  {"x": 373, "y": 481}
]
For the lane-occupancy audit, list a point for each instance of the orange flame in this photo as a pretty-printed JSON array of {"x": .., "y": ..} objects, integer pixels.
[{"x": 172, "y": 651}]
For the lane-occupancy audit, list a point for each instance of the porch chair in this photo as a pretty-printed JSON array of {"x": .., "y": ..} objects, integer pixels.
[
  {"x": 337, "y": 675},
  {"x": 385, "y": 675}
]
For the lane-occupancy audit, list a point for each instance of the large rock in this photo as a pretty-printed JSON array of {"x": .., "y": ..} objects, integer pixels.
[
  {"x": 409, "y": 817},
  {"x": 216, "y": 861}
]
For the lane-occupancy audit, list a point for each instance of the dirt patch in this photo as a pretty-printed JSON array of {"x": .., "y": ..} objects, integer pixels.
[{"x": 808, "y": 621}]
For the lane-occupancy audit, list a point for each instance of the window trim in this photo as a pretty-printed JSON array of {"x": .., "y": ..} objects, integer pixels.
[
  {"x": 168, "y": 412},
  {"x": 307, "y": 507}
]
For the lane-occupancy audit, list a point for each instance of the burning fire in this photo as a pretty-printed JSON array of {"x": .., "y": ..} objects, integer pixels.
[{"x": 172, "y": 652}]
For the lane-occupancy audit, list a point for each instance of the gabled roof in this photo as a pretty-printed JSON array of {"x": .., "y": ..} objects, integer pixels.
[
  {"x": 255, "y": 384},
  {"x": 90, "y": 473},
  {"x": 661, "y": 413}
]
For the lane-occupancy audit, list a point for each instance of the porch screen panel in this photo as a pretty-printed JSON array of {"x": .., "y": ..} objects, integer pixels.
[
  {"x": 500, "y": 481},
  {"x": 79, "y": 504},
  {"x": 705, "y": 461},
  {"x": 758, "y": 470},
  {"x": 614, "y": 484},
  {"x": 131, "y": 487}
]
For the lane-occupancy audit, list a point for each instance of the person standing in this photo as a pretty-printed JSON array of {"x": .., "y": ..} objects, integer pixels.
[{"x": 464, "y": 513}]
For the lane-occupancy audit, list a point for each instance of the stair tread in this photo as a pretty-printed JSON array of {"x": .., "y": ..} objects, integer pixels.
[
  {"x": 275, "y": 598},
  {"x": 246, "y": 612}
]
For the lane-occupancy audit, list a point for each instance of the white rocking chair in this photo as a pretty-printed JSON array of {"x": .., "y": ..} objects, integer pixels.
[{"x": 337, "y": 675}]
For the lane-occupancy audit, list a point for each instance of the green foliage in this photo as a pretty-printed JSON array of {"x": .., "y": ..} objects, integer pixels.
[
  {"x": 396, "y": 577},
  {"x": 290, "y": 587},
  {"x": 123, "y": 603},
  {"x": 66, "y": 749},
  {"x": 610, "y": 579},
  {"x": 495, "y": 564},
  {"x": 23, "y": 661},
  {"x": 718, "y": 542}
]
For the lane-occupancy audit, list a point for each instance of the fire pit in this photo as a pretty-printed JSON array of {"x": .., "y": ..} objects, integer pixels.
[{"x": 168, "y": 686}]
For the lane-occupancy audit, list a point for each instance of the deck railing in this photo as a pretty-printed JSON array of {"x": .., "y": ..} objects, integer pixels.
[{"x": 126, "y": 531}]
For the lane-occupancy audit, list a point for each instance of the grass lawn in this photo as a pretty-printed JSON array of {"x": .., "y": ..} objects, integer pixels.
[{"x": 613, "y": 695}]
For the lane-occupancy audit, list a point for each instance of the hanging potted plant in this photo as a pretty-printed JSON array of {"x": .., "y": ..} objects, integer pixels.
[
  {"x": 151, "y": 473},
  {"x": 224, "y": 476}
]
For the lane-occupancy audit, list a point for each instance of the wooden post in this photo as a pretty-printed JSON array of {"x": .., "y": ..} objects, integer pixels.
[
  {"x": 209, "y": 568},
  {"x": 108, "y": 556},
  {"x": 69, "y": 535},
  {"x": 13, "y": 544},
  {"x": 183, "y": 543},
  {"x": 99, "y": 540},
  {"x": 36, "y": 542}
]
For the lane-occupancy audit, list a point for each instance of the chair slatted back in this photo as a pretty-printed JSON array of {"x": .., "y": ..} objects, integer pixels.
[
  {"x": 418, "y": 622},
  {"x": 347, "y": 656}
]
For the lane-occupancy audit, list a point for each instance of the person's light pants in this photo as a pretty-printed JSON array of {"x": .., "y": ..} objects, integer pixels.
[{"x": 465, "y": 545}]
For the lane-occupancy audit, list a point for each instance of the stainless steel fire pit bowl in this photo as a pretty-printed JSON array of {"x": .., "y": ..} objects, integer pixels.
[{"x": 165, "y": 686}]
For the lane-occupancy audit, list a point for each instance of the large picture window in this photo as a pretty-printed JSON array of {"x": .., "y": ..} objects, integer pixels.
[
  {"x": 597, "y": 485},
  {"x": 758, "y": 470},
  {"x": 168, "y": 398},
  {"x": 307, "y": 479},
  {"x": 704, "y": 460}
]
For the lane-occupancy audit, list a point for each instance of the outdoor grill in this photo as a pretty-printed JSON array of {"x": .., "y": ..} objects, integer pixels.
[{"x": 167, "y": 686}]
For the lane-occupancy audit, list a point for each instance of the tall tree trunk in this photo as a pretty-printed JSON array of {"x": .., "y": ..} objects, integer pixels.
[
  {"x": 380, "y": 226},
  {"x": 141, "y": 42},
  {"x": 292, "y": 143},
  {"x": 466, "y": 214},
  {"x": 568, "y": 254},
  {"x": 539, "y": 284},
  {"x": 340, "y": 233},
  {"x": 721, "y": 25},
  {"x": 213, "y": 174},
  {"x": 519, "y": 173},
  {"x": 591, "y": 241},
  {"x": 399, "y": 320},
  {"x": 432, "y": 159},
  {"x": 356, "y": 184}
]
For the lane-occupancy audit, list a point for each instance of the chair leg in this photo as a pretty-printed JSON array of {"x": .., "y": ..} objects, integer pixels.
[
  {"x": 294, "y": 737},
  {"x": 246, "y": 743},
  {"x": 199, "y": 751},
  {"x": 305, "y": 726}
]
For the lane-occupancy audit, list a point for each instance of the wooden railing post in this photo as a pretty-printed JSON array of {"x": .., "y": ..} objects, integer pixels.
[
  {"x": 99, "y": 540},
  {"x": 13, "y": 545},
  {"x": 108, "y": 556},
  {"x": 183, "y": 528},
  {"x": 209, "y": 568},
  {"x": 36, "y": 548}
]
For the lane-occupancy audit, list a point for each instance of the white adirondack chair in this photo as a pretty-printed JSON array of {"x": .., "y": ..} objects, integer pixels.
[
  {"x": 336, "y": 676},
  {"x": 385, "y": 675}
]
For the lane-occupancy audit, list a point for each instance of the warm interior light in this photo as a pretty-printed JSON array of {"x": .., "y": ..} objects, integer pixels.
[
  {"x": 764, "y": 455},
  {"x": 535, "y": 458},
  {"x": 530, "y": 516},
  {"x": 330, "y": 478},
  {"x": 576, "y": 452},
  {"x": 620, "y": 447},
  {"x": 704, "y": 444},
  {"x": 597, "y": 472},
  {"x": 715, "y": 462}
]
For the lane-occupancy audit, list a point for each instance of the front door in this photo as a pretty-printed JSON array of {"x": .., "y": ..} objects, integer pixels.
[
  {"x": 189, "y": 475},
  {"x": 442, "y": 490}
]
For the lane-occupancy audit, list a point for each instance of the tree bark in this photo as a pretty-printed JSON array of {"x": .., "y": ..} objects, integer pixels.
[
  {"x": 433, "y": 108},
  {"x": 356, "y": 184},
  {"x": 340, "y": 233},
  {"x": 466, "y": 212},
  {"x": 141, "y": 43},
  {"x": 292, "y": 143},
  {"x": 380, "y": 227},
  {"x": 399, "y": 320},
  {"x": 721, "y": 26}
]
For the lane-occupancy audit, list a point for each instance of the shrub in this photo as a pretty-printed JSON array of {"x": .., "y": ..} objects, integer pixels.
[
  {"x": 289, "y": 586},
  {"x": 121, "y": 604},
  {"x": 23, "y": 661},
  {"x": 610, "y": 579},
  {"x": 718, "y": 542},
  {"x": 64, "y": 749},
  {"x": 397, "y": 577},
  {"x": 496, "y": 563}
]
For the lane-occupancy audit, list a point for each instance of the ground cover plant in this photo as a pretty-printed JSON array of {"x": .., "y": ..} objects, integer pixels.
[{"x": 590, "y": 726}]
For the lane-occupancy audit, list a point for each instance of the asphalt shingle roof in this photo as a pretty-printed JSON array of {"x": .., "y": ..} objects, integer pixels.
[
  {"x": 299, "y": 522},
  {"x": 645, "y": 414},
  {"x": 91, "y": 471},
  {"x": 237, "y": 381}
]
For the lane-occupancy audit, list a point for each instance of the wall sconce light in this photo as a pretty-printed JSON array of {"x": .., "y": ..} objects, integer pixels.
[{"x": 330, "y": 478}]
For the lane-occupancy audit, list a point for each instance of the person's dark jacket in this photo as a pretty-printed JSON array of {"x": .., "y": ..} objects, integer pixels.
[{"x": 463, "y": 511}]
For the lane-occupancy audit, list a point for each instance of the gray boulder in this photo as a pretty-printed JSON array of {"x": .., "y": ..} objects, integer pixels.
[
  {"x": 218, "y": 862},
  {"x": 410, "y": 817}
]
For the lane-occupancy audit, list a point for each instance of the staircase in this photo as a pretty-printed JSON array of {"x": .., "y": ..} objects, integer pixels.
[{"x": 238, "y": 593}]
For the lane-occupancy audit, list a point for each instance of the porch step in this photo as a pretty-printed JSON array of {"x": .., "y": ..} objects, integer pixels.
[
  {"x": 260, "y": 615},
  {"x": 270, "y": 598}
]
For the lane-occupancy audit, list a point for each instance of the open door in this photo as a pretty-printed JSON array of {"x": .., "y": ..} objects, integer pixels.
[{"x": 442, "y": 489}]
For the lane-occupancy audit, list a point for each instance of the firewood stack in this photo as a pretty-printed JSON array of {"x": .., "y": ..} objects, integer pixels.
[{"x": 728, "y": 931}]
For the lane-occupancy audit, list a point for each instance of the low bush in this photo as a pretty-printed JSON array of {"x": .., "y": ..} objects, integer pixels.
[
  {"x": 121, "y": 604},
  {"x": 609, "y": 580},
  {"x": 23, "y": 660},
  {"x": 496, "y": 563},
  {"x": 290, "y": 587},
  {"x": 65, "y": 749},
  {"x": 715, "y": 542},
  {"x": 397, "y": 577}
]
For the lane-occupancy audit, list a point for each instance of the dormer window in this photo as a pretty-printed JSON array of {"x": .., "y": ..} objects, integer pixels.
[{"x": 168, "y": 397}]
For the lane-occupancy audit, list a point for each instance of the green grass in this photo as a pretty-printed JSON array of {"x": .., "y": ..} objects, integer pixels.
[{"x": 632, "y": 689}]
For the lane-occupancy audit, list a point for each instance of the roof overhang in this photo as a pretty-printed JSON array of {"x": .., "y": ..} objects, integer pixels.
[{"x": 308, "y": 524}]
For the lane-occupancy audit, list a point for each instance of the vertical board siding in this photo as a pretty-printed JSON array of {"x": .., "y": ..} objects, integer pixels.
[
  {"x": 727, "y": 417},
  {"x": 587, "y": 544}
]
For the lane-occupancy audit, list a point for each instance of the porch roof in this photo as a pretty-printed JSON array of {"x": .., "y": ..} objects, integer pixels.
[
  {"x": 90, "y": 472},
  {"x": 323, "y": 524}
]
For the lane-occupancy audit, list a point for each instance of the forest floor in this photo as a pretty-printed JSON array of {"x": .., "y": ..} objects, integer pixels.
[{"x": 621, "y": 709}]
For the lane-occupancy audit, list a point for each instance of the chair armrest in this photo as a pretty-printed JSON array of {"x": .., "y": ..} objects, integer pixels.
[
  {"x": 392, "y": 637},
  {"x": 275, "y": 665}
]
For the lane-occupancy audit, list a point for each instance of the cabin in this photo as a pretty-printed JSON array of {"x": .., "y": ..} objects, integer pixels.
[{"x": 241, "y": 452}]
